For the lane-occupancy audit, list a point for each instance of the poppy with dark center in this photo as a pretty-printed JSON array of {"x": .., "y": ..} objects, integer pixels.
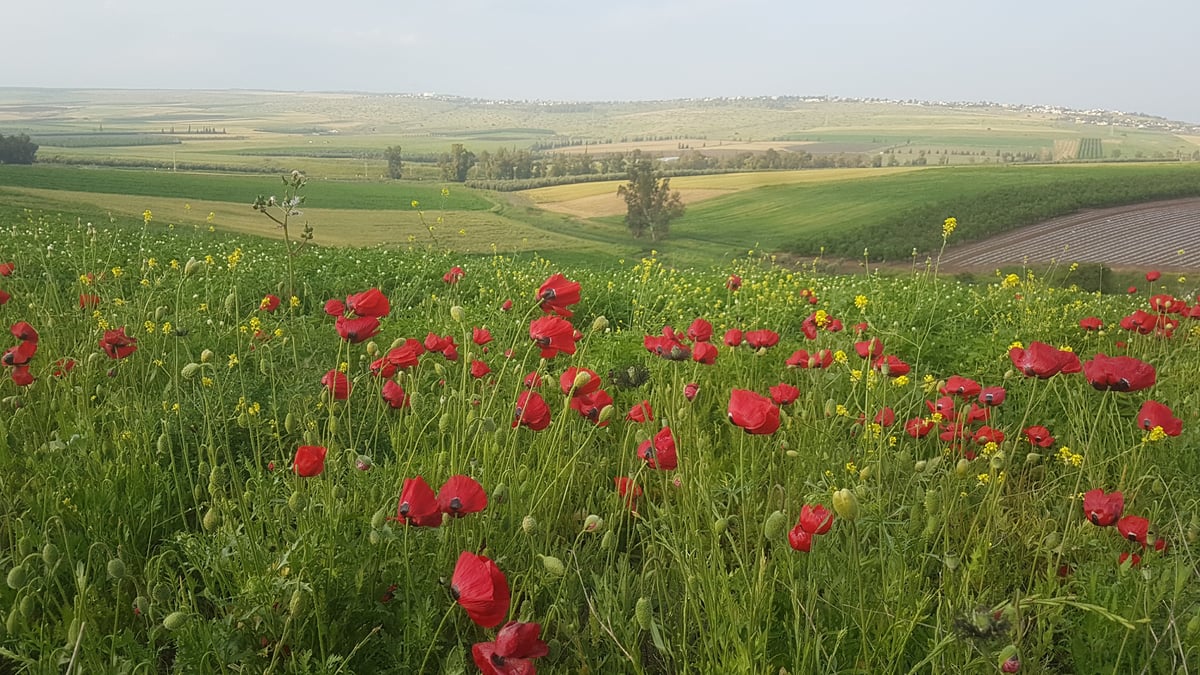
[
  {"x": 553, "y": 335},
  {"x": 512, "y": 652},
  {"x": 455, "y": 275},
  {"x": 733, "y": 337},
  {"x": 944, "y": 406},
  {"x": 337, "y": 384},
  {"x": 917, "y": 427},
  {"x": 556, "y": 293},
  {"x": 659, "y": 452},
  {"x": 891, "y": 366},
  {"x": 481, "y": 588},
  {"x": 590, "y": 406},
  {"x": 734, "y": 282},
  {"x": 1091, "y": 323},
  {"x": 1039, "y": 436},
  {"x": 1103, "y": 509},
  {"x": 762, "y": 338},
  {"x": 371, "y": 302},
  {"x": 479, "y": 369},
  {"x": 1043, "y": 361},
  {"x": 1154, "y": 415},
  {"x": 395, "y": 396},
  {"x": 704, "y": 353},
  {"x": 628, "y": 490},
  {"x": 461, "y": 495},
  {"x": 784, "y": 393},
  {"x": 957, "y": 385},
  {"x": 822, "y": 358},
  {"x": 309, "y": 460},
  {"x": 117, "y": 344},
  {"x": 992, "y": 396},
  {"x": 23, "y": 331},
  {"x": 869, "y": 349},
  {"x": 640, "y": 413},
  {"x": 88, "y": 301},
  {"x": 754, "y": 413},
  {"x": 669, "y": 345},
  {"x": 1134, "y": 528},
  {"x": 1119, "y": 373},
  {"x": 700, "y": 331},
  {"x": 481, "y": 336},
  {"x": 577, "y": 381},
  {"x": 417, "y": 505},
  {"x": 358, "y": 329},
  {"x": 270, "y": 303},
  {"x": 532, "y": 411}
]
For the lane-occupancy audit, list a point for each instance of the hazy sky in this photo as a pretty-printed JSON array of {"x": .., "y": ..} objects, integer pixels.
[{"x": 1133, "y": 55}]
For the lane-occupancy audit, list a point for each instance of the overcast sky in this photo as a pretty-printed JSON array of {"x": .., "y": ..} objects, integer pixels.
[{"x": 1131, "y": 55}]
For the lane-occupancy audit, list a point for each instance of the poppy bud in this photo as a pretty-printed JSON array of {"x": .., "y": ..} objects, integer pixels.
[
  {"x": 775, "y": 525},
  {"x": 190, "y": 266},
  {"x": 933, "y": 501},
  {"x": 720, "y": 526},
  {"x": 458, "y": 314},
  {"x": 845, "y": 504},
  {"x": 296, "y": 605},
  {"x": 140, "y": 604},
  {"x": 998, "y": 461},
  {"x": 372, "y": 349},
  {"x": 963, "y": 468},
  {"x": 212, "y": 519},
  {"x": 296, "y": 501},
  {"x": 162, "y": 444},
  {"x": 231, "y": 303},
  {"x": 1193, "y": 626},
  {"x": 644, "y": 613},
  {"x": 500, "y": 493},
  {"x": 175, "y": 620},
  {"x": 27, "y": 606},
  {"x": 528, "y": 525},
  {"x": 217, "y": 479},
  {"x": 363, "y": 463},
  {"x": 593, "y": 523},
  {"x": 553, "y": 566},
  {"x": 17, "y": 578},
  {"x": 866, "y": 472},
  {"x": 116, "y": 568},
  {"x": 444, "y": 423},
  {"x": 919, "y": 467},
  {"x": 159, "y": 312},
  {"x": 1008, "y": 660},
  {"x": 25, "y": 545},
  {"x": 1033, "y": 458},
  {"x": 1051, "y": 541},
  {"x": 608, "y": 542},
  {"x": 50, "y": 554}
]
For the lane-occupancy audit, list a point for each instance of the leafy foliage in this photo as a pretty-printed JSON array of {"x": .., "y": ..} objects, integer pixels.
[{"x": 650, "y": 203}]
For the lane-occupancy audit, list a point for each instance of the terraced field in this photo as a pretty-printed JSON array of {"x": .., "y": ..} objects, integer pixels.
[{"x": 1160, "y": 234}]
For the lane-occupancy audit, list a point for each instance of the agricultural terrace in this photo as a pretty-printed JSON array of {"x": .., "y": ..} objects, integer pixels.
[{"x": 222, "y": 452}]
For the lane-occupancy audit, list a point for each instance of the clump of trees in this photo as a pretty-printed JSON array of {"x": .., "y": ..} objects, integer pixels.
[
  {"x": 17, "y": 149},
  {"x": 650, "y": 203}
]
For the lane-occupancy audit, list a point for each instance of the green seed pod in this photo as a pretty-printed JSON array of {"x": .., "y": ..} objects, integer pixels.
[
  {"x": 845, "y": 504},
  {"x": 775, "y": 525},
  {"x": 206, "y": 356},
  {"x": 218, "y": 479},
  {"x": 189, "y": 370},
  {"x": 606, "y": 414},
  {"x": 644, "y": 613},
  {"x": 553, "y": 566},
  {"x": 17, "y": 578},
  {"x": 50, "y": 554},
  {"x": 175, "y": 620},
  {"x": 27, "y": 606},
  {"x": 212, "y": 519},
  {"x": 289, "y": 423},
  {"x": 333, "y": 422},
  {"x": 528, "y": 525},
  {"x": 116, "y": 568}
]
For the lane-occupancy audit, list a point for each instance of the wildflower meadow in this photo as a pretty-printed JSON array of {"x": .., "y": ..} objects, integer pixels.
[{"x": 236, "y": 454}]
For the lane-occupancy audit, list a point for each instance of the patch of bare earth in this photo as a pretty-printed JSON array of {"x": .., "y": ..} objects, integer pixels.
[
  {"x": 612, "y": 204},
  {"x": 1162, "y": 234}
]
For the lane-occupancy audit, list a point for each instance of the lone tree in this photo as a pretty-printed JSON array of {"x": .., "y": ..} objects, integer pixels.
[
  {"x": 395, "y": 167},
  {"x": 17, "y": 149},
  {"x": 650, "y": 202}
]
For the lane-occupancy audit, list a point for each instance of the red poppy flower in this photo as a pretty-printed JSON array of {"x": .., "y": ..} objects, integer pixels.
[
  {"x": 734, "y": 282},
  {"x": 62, "y": 367},
  {"x": 1131, "y": 290},
  {"x": 358, "y": 329},
  {"x": 480, "y": 587},
  {"x": 629, "y": 490},
  {"x": 1134, "y": 528},
  {"x": 1153, "y": 276},
  {"x": 762, "y": 338},
  {"x": 753, "y": 412},
  {"x": 479, "y": 369},
  {"x": 891, "y": 366},
  {"x": 987, "y": 434},
  {"x": 808, "y": 327},
  {"x": 944, "y": 406},
  {"x": 481, "y": 336},
  {"x": 269, "y": 303},
  {"x": 453, "y": 276},
  {"x": 1103, "y": 509},
  {"x": 1120, "y": 373},
  {"x": 370, "y": 302},
  {"x": 690, "y": 390},
  {"x": 334, "y": 307},
  {"x": 556, "y": 293},
  {"x": 704, "y": 353},
  {"x": 978, "y": 414},
  {"x": 815, "y": 519},
  {"x": 992, "y": 396},
  {"x": 338, "y": 385},
  {"x": 800, "y": 539},
  {"x": 700, "y": 331},
  {"x": 309, "y": 461},
  {"x": 533, "y": 381},
  {"x": 917, "y": 427},
  {"x": 1039, "y": 436},
  {"x": 395, "y": 396},
  {"x": 834, "y": 325},
  {"x": 553, "y": 335},
  {"x": 957, "y": 385},
  {"x": 6, "y": 269},
  {"x": 5, "y": 297},
  {"x": 1153, "y": 415},
  {"x": 117, "y": 344},
  {"x": 733, "y": 337},
  {"x": 885, "y": 417},
  {"x": 1165, "y": 303},
  {"x": 506, "y": 305},
  {"x": 669, "y": 345},
  {"x": 567, "y": 383},
  {"x": 461, "y": 495},
  {"x": 1043, "y": 360},
  {"x": 417, "y": 505},
  {"x": 659, "y": 452},
  {"x": 869, "y": 349},
  {"x": 784, "y": 393},
  {"x": 591, "y": 405},
  {"x": 23, "y": 331},
  {"x": 88, "y": 300},
  {"x": 21, "y": 376},
  {"x": 511, "y": 653},
  {"x": 822, "y": 358},
  {"x": 532, "y": 410},
  {"x": 640, "y": 413},
  {"x": 1133, "y": 558},
  {"x": 1091, "y": 323},
  {"x": 954, "y": 432}
]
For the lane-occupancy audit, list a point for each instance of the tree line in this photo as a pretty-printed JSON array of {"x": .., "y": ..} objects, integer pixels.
[{"x": 17, "y": 149}]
